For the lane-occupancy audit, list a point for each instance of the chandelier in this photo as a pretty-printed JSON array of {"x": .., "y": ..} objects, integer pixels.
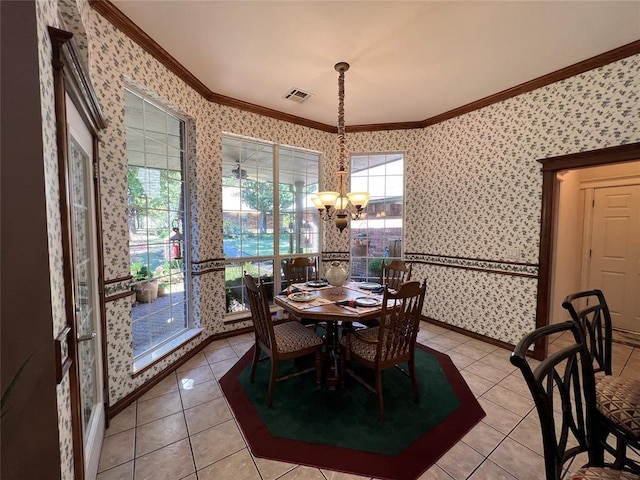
[{"x": 340, "y": 206}]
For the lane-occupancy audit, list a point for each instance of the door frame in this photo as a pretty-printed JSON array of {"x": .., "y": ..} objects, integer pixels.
[
  {"x": 550, "y": 195},
  {"x": 71, "y": 78}
]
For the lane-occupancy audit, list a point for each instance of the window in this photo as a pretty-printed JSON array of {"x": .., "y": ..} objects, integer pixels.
[
  {"x": 157, "y": 223},
  {"x": 265, "y": 221},
  {"x": 378, "y": 235}
]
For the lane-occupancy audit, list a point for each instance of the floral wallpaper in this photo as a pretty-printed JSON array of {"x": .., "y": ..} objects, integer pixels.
[
  {"x": 474, "y": 189},
  {"x": 473, "y": 192},
  {"x": 75, "y": 15},
  {"x": 117, "y": 63}
]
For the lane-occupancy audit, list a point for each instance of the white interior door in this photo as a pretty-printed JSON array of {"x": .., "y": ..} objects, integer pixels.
[
  {"x": 615, "y": 253},
  {"x": 83, "y": 234}
]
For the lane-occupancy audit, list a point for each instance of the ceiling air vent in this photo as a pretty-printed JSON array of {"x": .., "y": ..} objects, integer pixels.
[{"x": 297, "y": 95}]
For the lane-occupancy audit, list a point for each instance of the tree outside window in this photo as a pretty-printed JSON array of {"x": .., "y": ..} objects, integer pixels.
[{"x": 267, "y": 214}]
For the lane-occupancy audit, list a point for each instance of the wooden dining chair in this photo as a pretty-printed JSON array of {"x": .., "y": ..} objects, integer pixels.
[
  {"x": 563, "y": 390},
  {"x": 301, "y": 269},
  {"x": 395, "y": 272},
  {"x": 281, "y": 342},
  {"x": 392, "y": 274},
  {"x": 390, "y": 343},
  {"x": 617, "y": 397}
]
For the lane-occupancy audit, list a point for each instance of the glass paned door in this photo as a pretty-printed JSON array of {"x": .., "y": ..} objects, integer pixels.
[
  {"x": 83, "y": 237},
  {"x": 84, "y": 294}
]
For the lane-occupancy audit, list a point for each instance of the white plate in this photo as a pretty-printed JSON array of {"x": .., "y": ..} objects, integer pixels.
[
  {"x": 316, "y": 284},
  {"x": 302, "y": 297},
  {"x": 369, "y": 285},
  {"x": 367, "y": 302}
]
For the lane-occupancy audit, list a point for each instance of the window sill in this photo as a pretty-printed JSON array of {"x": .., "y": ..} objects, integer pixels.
[
  {"x": 144, "y": 362},
  {"x": 232, "y": 318},
  {"x": 237, "y": 317}
]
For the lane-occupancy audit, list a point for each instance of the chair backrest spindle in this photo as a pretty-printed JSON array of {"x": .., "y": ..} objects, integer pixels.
[
  {"x": 400, "y": 319},
  {"x": 394, "y": 273},
  {"x": 260, "y": 312},
  {"x": 595, "y": 320},
  {"x": 301, "y": 269}
]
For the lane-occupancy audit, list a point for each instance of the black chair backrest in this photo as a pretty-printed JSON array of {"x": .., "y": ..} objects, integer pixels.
[
  {"x": 400, "y": 319},
  {"x": 590, "y": 310},
  {"x": 563, "y": 382}
]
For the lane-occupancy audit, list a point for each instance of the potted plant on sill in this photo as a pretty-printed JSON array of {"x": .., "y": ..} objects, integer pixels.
[
  {"x": 172, "y": 270},
  {"x": 163, "y": 288},
  {"x": 145, "y": 286}
]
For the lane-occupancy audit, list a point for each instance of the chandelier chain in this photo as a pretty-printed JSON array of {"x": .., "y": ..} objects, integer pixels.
[
  {"x": 341, "y": 129},
  {"x": 340, "y": 206}
]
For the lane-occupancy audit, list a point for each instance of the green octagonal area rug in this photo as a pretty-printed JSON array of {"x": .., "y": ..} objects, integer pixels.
[{"x": 339, "y": 430}]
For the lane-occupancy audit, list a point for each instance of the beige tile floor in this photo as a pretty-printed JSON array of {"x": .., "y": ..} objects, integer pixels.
[{"x": 184, "y": 429}]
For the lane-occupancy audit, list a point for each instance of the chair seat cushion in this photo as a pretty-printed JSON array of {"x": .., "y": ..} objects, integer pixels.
[
  {"x": 293, "y": 336},
  {"x": 361, "y": 349},
  {"x": 597, "y": 473},
  {"x": 618, "y": 398}
]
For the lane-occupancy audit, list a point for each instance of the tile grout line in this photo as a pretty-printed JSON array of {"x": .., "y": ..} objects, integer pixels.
[
  {"x": 500, "y": 443},
  {"x": 135, "y": 441},
  {"x": 445, "y": 350},
  {"x": 186, "y": 424},
  {"x": 218, "y": 424}
]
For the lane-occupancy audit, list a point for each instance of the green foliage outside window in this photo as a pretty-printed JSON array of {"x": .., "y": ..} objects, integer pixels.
[
  {"x": 155, "y": 207},
  {"x": 259, "y": 196},
  {"x": 236, "y": 271},
  {"x": 375, "y": 264}
]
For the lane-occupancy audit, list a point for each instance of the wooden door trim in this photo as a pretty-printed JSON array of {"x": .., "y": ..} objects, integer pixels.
[
  {"x": 70, "y": 78},
  {"x": 550, "y": 167},
  {"x": 589, "y": 196}
]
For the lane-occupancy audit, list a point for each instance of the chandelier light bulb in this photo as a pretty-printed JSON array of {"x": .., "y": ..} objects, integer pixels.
[
  {"x": 342, "y": 202},
  {"x": 328, "y": 199},
  {"x": 358, "y": 199},
  {"x": 317, "y": 202}
]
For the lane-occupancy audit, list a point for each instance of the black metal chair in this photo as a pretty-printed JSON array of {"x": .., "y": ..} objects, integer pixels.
[
  {"x": 617, "y": 397},
  {"x": 563, "y": 388}
]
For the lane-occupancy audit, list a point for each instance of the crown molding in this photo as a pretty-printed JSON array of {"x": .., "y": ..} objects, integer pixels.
[
  {"x": 109, "y": 11},
  {"x": 611, "y": 56},
  {"x": 377, "y": 127}
]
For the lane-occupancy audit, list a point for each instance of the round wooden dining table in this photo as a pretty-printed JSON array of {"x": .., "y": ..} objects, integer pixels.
[{"x": 327, "y": 307}]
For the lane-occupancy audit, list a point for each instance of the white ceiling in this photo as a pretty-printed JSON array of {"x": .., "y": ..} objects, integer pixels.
[{"x": 409, "y": 60}]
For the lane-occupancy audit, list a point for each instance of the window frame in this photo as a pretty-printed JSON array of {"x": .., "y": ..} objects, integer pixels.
[
  {"x": 150, "y": 355},
  {"x": 360, "y": 236},
  {"x": 277, "y": 258}
]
